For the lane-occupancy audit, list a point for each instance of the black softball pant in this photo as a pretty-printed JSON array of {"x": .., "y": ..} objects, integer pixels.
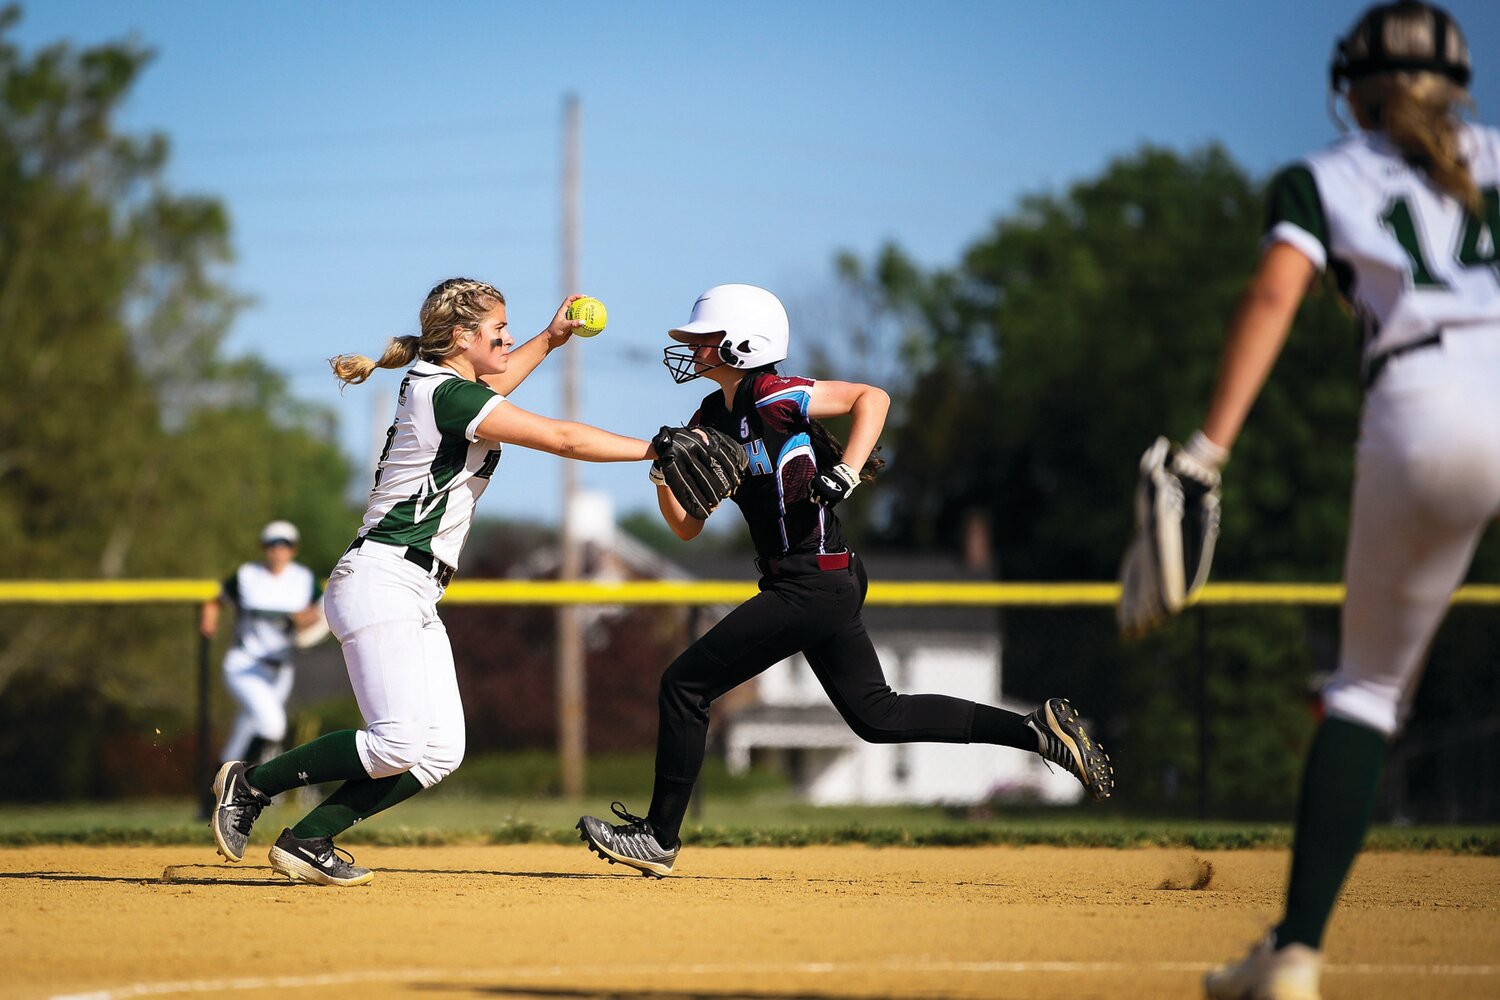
[{"x": 816, "y": 613}]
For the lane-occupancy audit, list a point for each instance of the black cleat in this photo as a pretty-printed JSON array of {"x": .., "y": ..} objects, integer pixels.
[
  {"x": 1065, "y": 742},
  {"x": 236, "y": 807},
  {"x": 634, "y": 843},
  {"x": 316, "y": 861}
]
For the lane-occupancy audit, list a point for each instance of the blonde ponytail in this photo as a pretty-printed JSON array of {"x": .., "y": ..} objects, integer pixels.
[
  {"x": 1420, "y": 111},
  {"x": 352, "y": 369},
  {"x": 452, "y": 305}
]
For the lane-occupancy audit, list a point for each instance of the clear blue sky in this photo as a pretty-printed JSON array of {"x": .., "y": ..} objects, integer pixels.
[{"x": 367, "y": 150}]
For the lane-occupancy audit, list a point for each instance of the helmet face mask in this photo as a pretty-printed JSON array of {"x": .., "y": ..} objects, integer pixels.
[
  {"x": 750, "y": 324},
  {"x": 683, "y": 362}
]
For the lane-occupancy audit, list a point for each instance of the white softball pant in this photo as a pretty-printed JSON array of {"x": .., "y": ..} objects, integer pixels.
[
  {"x": 383, "y": 610},
  {"x": 261, "y": 690},
  {"x": 1426, "y": 485}
]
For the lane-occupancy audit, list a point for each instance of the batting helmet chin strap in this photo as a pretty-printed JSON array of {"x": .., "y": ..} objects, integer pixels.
[{"x": 1350, "y": 64}]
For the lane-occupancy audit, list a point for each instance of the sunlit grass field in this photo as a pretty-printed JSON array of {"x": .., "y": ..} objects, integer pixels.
[{"x": 767, "y": 819}]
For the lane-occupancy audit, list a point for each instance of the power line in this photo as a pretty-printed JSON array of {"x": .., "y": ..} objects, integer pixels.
[
  {"x": 345, "y": 187},
  {"x": 240, "y": 144}
]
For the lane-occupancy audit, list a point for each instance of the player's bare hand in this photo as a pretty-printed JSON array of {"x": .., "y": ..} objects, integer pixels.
[{"x": 561, "y": 328}]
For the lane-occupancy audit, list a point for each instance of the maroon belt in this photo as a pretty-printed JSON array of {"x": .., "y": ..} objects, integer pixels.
[{"x": 774, "y": 567}]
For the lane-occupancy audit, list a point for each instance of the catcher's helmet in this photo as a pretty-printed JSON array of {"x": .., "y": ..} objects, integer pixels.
[
  {"x": 753, "y": 324},
  {"x": 1371, "y": 47}
]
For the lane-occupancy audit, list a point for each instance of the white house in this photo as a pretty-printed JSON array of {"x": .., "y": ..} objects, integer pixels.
[{"x": 955, "y": 651}]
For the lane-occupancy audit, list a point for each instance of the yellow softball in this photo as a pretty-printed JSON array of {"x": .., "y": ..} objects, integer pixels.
[{"x": 593, "y": 314}]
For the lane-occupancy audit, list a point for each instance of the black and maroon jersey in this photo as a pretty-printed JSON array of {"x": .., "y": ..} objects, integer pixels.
[{"x": 769, "y": 417}]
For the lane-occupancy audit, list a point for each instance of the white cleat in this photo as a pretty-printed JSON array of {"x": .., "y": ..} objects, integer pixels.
[{"x": 1268, "y": 973}]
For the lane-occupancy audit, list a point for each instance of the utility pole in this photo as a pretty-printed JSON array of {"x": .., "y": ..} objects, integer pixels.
[{"x": 572, "y": 718}]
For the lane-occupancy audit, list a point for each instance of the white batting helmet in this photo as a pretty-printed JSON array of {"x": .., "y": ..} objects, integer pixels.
[{"x": 753, "y": 323}]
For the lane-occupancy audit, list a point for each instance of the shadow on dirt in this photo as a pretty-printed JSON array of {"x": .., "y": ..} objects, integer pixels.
[
  {"x": 167, "y": 878},
  {"x": 536, "y": 993}
]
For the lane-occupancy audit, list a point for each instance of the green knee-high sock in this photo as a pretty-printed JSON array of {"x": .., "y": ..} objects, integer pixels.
[
  {"x": 354, "y": 801},
  {"x": 1338, "y": 798},
  {"x": 332, "y": 757}
]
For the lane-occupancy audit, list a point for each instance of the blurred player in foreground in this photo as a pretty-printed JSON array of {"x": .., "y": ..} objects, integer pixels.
[
  {"x": 1404, "y": 213},
  {"x": 812, "y": 587},
  {"x": 274, "y": 601},
  {"x": 451, "y": 418}
]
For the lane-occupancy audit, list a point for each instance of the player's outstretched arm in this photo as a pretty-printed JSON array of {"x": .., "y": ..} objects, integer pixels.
[
  {"x": 1256, "y": 334},
  {"x": 867, "y": 405},
  {"x": 684, "y": 525},
  {"x": 509, "y": 424},
  {"x": 524, "y": 359}
]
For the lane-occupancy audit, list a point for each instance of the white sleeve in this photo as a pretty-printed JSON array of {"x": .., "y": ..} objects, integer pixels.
[
  {"x": 472, "y": 431},
  {"x": 1298, "y": 239}
]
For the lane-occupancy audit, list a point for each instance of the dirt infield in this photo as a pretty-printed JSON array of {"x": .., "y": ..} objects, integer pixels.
[{"x": 546, "y": 921}]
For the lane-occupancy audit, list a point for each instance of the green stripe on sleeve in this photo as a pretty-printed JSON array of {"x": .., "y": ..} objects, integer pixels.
[
  {"x": 457, "y": 402},
  {"x": 1292, "y": 196}
]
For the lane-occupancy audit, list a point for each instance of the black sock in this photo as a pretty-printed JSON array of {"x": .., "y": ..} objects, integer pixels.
[
  {"x": 1002, "y": 728},
  {"x": 256, "y": 750},
  {"x": 1333, "y": 813},
  {"x": 669, "y": 804}
]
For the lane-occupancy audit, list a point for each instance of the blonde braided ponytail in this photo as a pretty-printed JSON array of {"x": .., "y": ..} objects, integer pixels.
[{"x": 451, "y": 305}]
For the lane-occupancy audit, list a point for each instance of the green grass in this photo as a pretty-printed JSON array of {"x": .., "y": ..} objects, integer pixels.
[{"x": 456, "y": 816}]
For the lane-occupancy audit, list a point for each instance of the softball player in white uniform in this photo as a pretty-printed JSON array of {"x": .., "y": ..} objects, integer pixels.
[
  {"x": 1405, "y": 215},
  {"x": 272, "y": 599},
  {"x": 442, "y": 448}
]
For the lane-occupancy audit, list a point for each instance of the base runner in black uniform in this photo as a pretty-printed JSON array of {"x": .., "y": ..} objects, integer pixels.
[{"x": 812, "y": 587}]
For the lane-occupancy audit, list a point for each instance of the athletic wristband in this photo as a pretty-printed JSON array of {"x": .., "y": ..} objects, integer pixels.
[{"x": 1203, "y": 451}]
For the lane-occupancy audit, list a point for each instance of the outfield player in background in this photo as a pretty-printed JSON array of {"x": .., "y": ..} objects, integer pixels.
[
  {"x": 812, "y": 586},
  {"x": 272, "y": 600},
  {"x": 1404, "y": 213},
  {"x": 451, "y": 418}
]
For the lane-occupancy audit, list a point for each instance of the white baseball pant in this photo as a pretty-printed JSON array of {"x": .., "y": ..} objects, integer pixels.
[
  {"x": 1426, "y": 485},
  {"x": 261, "y": 689},
  {"x": 383, "y": 610}
]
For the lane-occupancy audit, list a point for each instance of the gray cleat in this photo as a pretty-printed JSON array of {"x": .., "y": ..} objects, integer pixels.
[
  {"x": 237, "y": 804},
  {"x": 1064, "y": 741},
  {"x": 634, "y": 843},
  {"x": 316, "y": 861}
]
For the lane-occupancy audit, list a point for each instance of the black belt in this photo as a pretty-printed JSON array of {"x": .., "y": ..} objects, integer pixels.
[
  {"x": 431, "y": 565},
  {"x": 1377, "y": 364},
  {"x": 807, "y": 562}
]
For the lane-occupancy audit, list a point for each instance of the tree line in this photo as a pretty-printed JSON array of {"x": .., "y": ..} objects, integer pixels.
[
  {"x": 130, "y": 444},
  {"x": 1027, "y": 377},
  {"x": 1031, "y": 376}
]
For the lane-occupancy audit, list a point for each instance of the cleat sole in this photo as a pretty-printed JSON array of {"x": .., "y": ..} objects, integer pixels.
[
  {"x": 218, "y": 788},
  {"x": 605, "y": 856},
  {"x": 300, "y": 872}
]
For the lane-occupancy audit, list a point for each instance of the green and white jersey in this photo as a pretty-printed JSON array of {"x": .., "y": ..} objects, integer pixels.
[
  {"x": 264, "y": 603},
  {"x": 1409, "y": 258},
  {"x": 434, "y": 466}
]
